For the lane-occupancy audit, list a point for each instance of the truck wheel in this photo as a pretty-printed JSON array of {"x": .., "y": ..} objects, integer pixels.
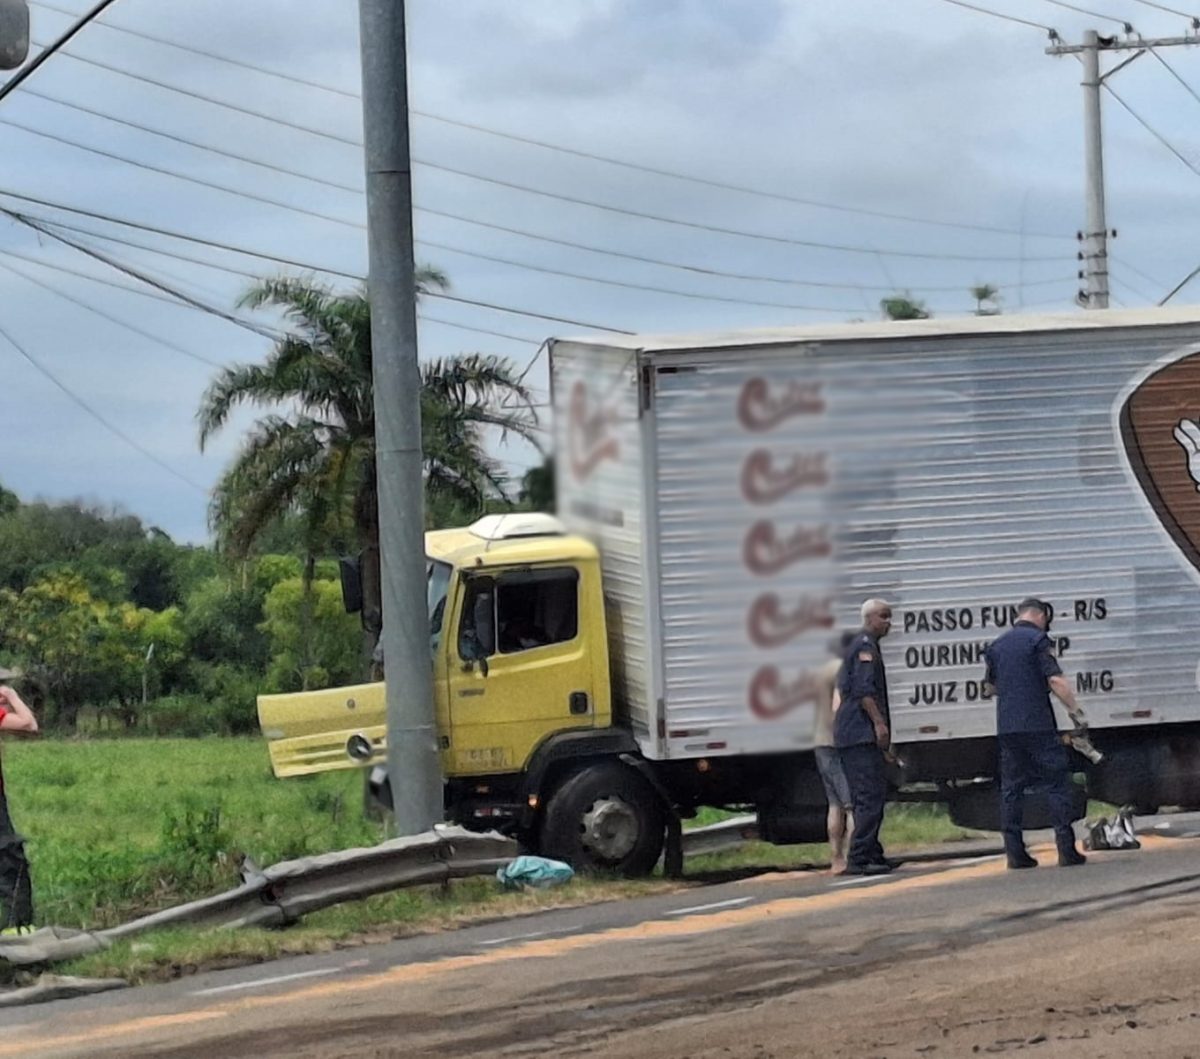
[{"x": 606, "y": 818}]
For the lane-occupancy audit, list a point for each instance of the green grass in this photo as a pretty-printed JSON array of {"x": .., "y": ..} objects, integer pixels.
[
  {"x": 905, "y": 827},
  {"x": 116, "y": 829}
]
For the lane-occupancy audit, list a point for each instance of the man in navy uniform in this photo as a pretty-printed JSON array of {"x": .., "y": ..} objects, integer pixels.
[
  {"x": 862, "y": 734},
  {"x": 1023, "y": 671}
]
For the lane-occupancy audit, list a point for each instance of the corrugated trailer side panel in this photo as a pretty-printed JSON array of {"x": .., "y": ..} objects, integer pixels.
[
  {"x": 951, "y": 474},
  {"x": 601, "y": 488}
]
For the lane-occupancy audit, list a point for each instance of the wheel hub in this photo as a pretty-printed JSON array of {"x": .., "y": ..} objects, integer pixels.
[{"x": 610, "y": 829}]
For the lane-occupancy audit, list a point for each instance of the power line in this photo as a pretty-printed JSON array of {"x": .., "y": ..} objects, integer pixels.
[
  {"x": 511, "y": 185},
  {"x": 712, "y": 228},
  {"x": 142, "y": 277},
  {"x": 201, "y": 97},
  {"x": 545, "y": 145},
  {"x": 101, "y": 419},
  {"x": 174, "y": 255},
  {"x": 1175, "y": 74},
  {"x": 267, "y": 257},
  {"x": 1180, "y": 285},
  {"x": 724, "y": 185},
  {"x": 113, "y": 284},
  {"x": 514, "y": 263},
  {"x": 157, "y": 339},
  {"x": 442, "y": 296},
  {"x": 1091, "y": 14},
  {"x": 1168, "y": 10},
  {"x": 693, "y": 269},
  {"x": 1135, "y": 270},
  {"x": 206, "y": 54},
  {"x": 167, "y": 233},
  {"x": 49, "y": 51},
  {"x": 478, "y": 330},
  {"x": 162, "y": 170},
  {"x": 193, "y": 143},
  {"x": 1118, "y": 278},
  {"x": 1152, "y": 130},
  {"x": 997, "y": 14}
]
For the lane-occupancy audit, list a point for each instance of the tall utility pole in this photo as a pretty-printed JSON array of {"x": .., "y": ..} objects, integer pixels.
[
  {"x": 414, "y": 769},
  {"x": 1095, "y": 236},
  {"x": 1094, "y": 239}
]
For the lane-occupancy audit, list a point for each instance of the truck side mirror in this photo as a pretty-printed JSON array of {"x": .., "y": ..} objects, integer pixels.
[
  {"x": 14, "y": 33},
  {"x": 485, "y": 622},
  {"x": 477, "y": 635}
]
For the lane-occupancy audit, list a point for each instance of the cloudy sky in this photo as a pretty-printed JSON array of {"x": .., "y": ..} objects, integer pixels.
[{"x": 884, "y": 109}]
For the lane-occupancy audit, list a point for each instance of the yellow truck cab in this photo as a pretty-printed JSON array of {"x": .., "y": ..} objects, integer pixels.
[{"x": 522, "y": 688}]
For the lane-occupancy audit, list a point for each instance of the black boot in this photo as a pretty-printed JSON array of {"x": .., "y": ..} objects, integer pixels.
[
  {"x": 1019, "y": 859},
  {"x": 1069, "y": 856}
]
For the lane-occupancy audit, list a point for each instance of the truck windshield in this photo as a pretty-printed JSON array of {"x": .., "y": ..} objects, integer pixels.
[{"x": 438, "y": 584}]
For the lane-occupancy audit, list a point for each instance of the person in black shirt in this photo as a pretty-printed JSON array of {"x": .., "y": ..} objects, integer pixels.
[
  {"x": 16, "y": 891},
  {"x": 1023, "y": 671},
  {"x": 862, "y": 734}
]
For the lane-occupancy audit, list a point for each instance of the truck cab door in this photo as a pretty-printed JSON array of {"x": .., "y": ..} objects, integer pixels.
[{"x": 520, "y": 668}]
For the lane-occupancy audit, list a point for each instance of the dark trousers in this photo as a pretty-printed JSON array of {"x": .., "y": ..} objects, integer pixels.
[
  {"x": 1034, "y": 761},
  {"x": 864, "y": 768},
  {"x": 16, "y": 889}
]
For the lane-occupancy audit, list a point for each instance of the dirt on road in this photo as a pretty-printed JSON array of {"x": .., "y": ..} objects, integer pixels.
[
  {"x": 1126, "y": 983},
  {"x": 967, "y": 961}
]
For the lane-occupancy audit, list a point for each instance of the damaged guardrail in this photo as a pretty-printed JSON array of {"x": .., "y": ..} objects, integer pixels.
[
  {"x": 285, "y": 892},
  {"x": 720, "y": 837}
]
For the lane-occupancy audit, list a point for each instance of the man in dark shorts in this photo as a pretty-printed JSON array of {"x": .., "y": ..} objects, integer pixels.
[
  {"x": 829, "y": 762},
  {"x": 16, "y": 889}
]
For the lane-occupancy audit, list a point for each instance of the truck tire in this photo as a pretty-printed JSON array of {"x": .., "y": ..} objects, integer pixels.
[{"x": 606, "y": 818}]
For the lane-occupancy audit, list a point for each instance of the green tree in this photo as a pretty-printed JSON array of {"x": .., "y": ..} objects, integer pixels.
[
  {"x": 987, "y": 299},
  {"x": 328, "y": 654},
  {"x": 314, "y": 456},
  {"x": 76, "y": 648},
  {"x": 537, "y": 487},
  {"x": 904, "y": 307}
]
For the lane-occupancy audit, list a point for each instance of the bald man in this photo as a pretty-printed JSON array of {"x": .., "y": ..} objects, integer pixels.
[{"x": 862, "y": 734}]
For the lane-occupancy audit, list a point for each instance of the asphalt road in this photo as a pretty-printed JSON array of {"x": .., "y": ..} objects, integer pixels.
[{"x": 942, "y": 958}]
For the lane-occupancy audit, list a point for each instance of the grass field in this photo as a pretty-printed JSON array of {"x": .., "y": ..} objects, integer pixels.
[{"x": 119, "y": 828}]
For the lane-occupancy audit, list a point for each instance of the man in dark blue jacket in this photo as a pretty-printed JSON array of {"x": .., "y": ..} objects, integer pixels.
[
  {"x": 862, "y": 734},
  {"x": 1022, "y": 669}
]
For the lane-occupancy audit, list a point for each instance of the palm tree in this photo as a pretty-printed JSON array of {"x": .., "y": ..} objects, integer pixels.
[
  {"x": 987, "y": 299},
  {"x": 314, "y": 453}
]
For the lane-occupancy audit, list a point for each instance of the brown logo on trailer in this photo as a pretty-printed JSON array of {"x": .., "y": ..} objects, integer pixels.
[
  {"x": 590, "y": 437},
  {"x": 1160, "y": 429},
  {"x": 761, "y": 409},
  {"x": 765, "y": 482}
]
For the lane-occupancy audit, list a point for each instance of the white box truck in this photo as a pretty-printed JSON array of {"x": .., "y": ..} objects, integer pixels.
[{"x": 727, "y": 501}]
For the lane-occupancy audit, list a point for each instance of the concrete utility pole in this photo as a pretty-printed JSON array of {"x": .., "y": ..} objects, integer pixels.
[
  {"x": 1095, "y": 236},
  {"x": 1094, "y": 239},
  {"x": 414, "y": 769}
]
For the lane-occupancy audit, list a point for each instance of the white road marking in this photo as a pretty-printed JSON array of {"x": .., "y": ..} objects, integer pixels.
[
  {"x": 515, "y": 937},
  {"x": 260, "y": 983},
  {"x": 731, "y": 903}
]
